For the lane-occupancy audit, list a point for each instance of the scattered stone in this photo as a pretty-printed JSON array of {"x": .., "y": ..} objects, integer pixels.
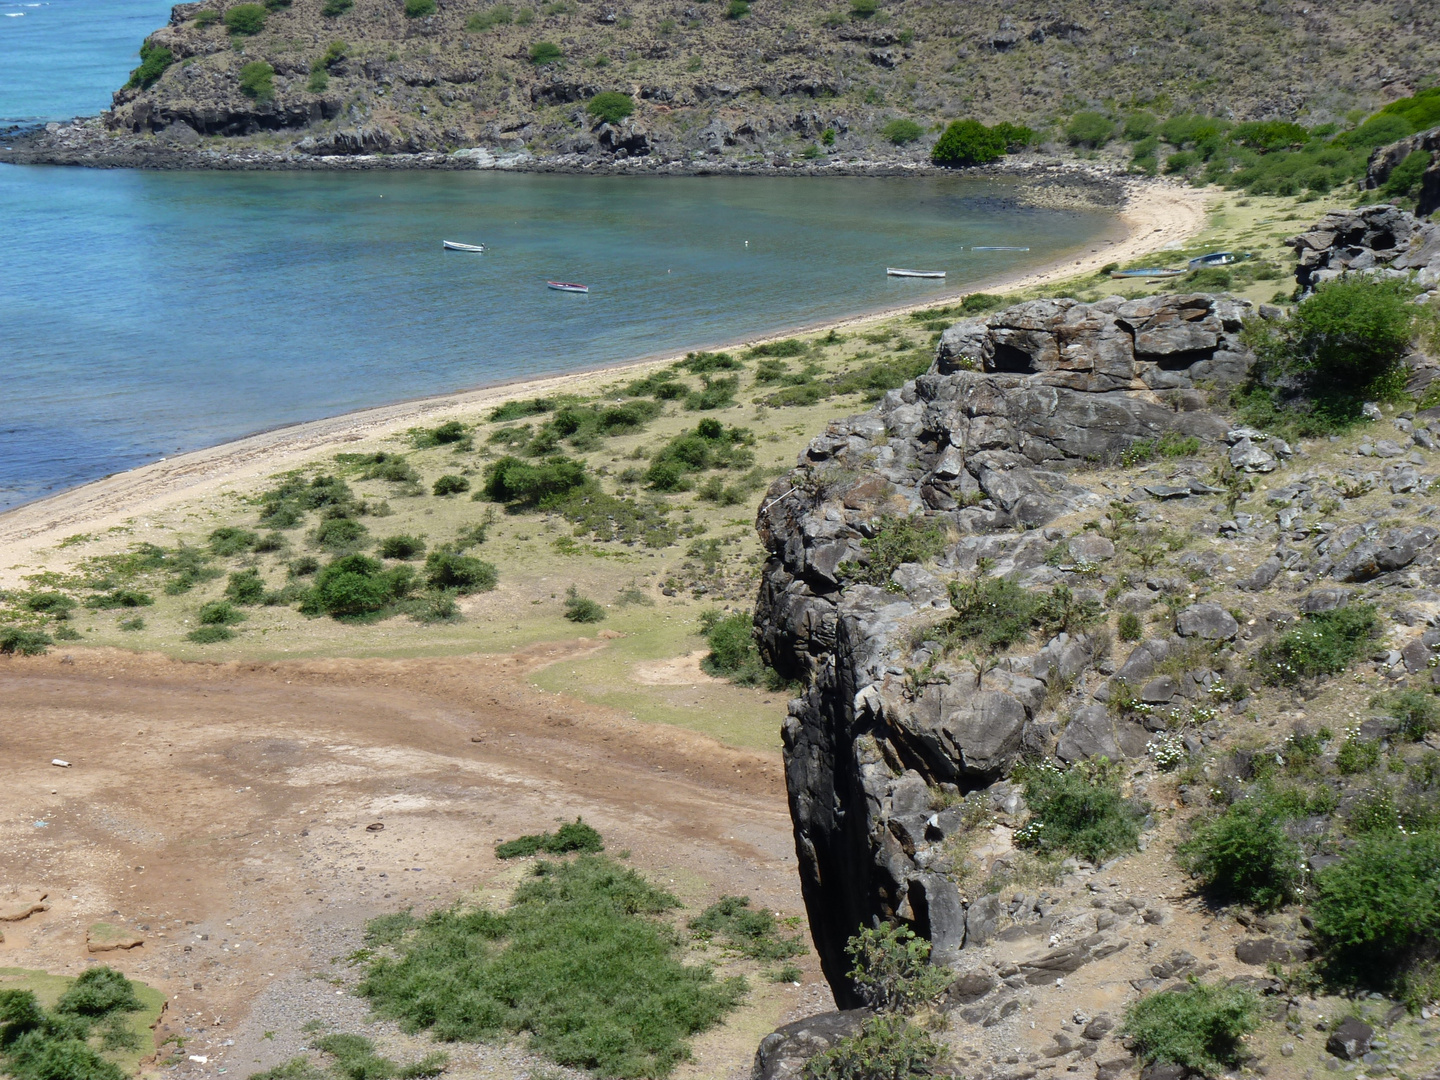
[
  {"x": 783, "y": 1053},
  {"x": 105, "y": 937},
  {"x": 1209, "y": 622},
  {"x": 1351, "y": 1040}
]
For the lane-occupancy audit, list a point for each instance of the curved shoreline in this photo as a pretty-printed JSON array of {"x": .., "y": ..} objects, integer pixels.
[{"x": 1155, "y": 213}]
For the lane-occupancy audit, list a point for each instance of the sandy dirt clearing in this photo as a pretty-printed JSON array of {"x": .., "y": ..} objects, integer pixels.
[{"x": 220, "y": 812}]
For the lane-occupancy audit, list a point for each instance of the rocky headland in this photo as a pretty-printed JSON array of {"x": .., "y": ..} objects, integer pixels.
[{"x": 1032, "y": 461}]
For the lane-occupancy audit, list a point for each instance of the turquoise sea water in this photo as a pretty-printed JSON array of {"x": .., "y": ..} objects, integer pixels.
[{"x": 145, "y": 313}]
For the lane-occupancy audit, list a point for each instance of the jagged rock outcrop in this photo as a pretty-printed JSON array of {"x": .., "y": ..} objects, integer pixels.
[
  {"x": 985, "y": 446},
  {"x": 1385, "y": 160},
  {"x": 1380, "y": 239}
]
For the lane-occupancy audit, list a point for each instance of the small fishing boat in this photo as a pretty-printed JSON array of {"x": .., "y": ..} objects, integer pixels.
[
  {"x": 455, "y": 245},
  {"x": 1215, "y": 258},
  {"x": 1150, "y": 272},
  {"x": 894, "y": 271},
  {"x": 567, "y": 286},
  {"x": 999, "y": 248}
]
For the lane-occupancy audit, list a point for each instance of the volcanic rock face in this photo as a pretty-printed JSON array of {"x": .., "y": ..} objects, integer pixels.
[
  {"x": 1382, "y": 240},
  {"x": 984, "y": 446}
]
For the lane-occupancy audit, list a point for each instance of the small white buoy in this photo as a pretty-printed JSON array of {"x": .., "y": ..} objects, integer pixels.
[{"x": 60, "y": 763}]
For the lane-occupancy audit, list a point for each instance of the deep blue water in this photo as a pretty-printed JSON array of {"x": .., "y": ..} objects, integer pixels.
[{"x": 146, "y": 313}]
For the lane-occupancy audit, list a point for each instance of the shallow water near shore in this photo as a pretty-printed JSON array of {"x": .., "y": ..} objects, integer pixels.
[{"x": 146, "y": 313}]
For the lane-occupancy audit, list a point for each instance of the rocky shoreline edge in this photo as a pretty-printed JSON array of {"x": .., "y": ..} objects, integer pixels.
[{"x": 1053, "y": 182}]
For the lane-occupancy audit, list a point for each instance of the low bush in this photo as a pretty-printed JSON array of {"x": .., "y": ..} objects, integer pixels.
[
  {"x": 1129, "y": 627},
  {"x": 245, "y": 587},
  {"x": 968, "y": 142},
  {"x": 220, "y": 613},
  {"x": 154, "y": 61},
  {"x": 449, "y": 484},
  {"x": 863, "y": 9},
  {"x": 896, "y": 541},
  {"x": 1417, "y": 711},
  {"x": 518, "y": 410},
  {"x": 495, "y": 15},
  {"x": 1320, "y": 644},
  {"x": 783, "y": 348},
  {"x": 583, "y": 426},
  {"x": 68, "y": 1042},
  {"x": 1245, "y": 854},
  {"x": 1170, "y": 445},
  {"x": 462, "y": 574},
  {"x": 450, "y": 433},
  {"x": 229, "y": 540},
  {"x": 1200, "y": 1027},
  {"x": 1080, "y": 811},
  {"x": 205, "y": 18},
  {"x": 418, "y": 9},
  {"x": 710, "y": 446},
  {"x": 886, "y": 1047},
  {"x": 401, "y": 547},
  {"x": 733, "y": 653},
  {"x": 54, "y": 604},
  {"x": 901, "y": 132},
  {"x": 340, "y": 534},
  {"x": 872, "y": 380},
  {"x": 1089, "y": 128},
  {"x": 892, "y": 972},
  {"x": 356, "y": 1059},
  {"x": 120, "y": 598},
  {"x": 543, "y": 484},
  {"x": 581, "y": 609},
  {"x": 571, "y": 837},
  {"x": 715, "y": 393},
  {"x": 1357, "y": 754},
  {"x": 356, "y": 586},
  {"x": 629, "y": 521},
  {"x": 245, "y": 19},
  {"x": 699, "y": 363},
  {"x": 257, "y": 80},
  {"x": 15, "y": 641},
  {"x": 610, "y": 106},
  {"x": 578, "y": 962},
  {"x": 545, "y": 52},
  {"x": 749, "y": 931},
  {"x": 995, "y": 613},
  {"x": 334, "y": 8}
]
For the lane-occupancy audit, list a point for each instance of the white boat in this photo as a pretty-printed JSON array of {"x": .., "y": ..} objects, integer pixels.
[
  {"x": 455, "y": 245},
  {"x": 567, "y": 286},
  {"x": 896, "y": 272}
]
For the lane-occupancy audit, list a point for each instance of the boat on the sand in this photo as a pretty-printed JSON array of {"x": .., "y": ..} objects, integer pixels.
[
  {"x": 1148, "y": 272},
  {"x": 895, "y": 271},
  {"x": 455, "y": 245},
  {"x": 567, "y": 286}
]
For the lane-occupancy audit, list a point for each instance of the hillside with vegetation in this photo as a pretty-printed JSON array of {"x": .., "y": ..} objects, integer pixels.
[{"x": 804, "y": 81}]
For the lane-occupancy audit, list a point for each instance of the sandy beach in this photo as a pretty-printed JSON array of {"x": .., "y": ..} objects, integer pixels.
[{"x": 1156, "y": 214}]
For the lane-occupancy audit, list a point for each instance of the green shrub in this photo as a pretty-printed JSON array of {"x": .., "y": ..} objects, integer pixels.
[
  {"x": 1089, "y": 129},
  {"x": 354, "y": 586},
  {"x": 319, "y": 80},
  {"x": 884, "y": 1048},
  {"x": 154, "y": 60},
  {"x": 131, "y": 625},
  {"x": 578, "y": 962},
  {"x": 450, "y": 433},
  {"x": 1417, "y": 711},
  {"x": 245, "y": 19},
  {"x": 782, "y": 348},
  {"x": 518, "y": 410},
  {"x": 206, "y": 18},
  {"x": 210, "y": 635},
  {"x": 863, "y": 9},
  {"x": 55, "y": 1045},
  {"x": 610, "y": 106},
  {"x": 543, "y": 484},
  {"x": 581, "y": 609},
  {"x": 230, "y": 540},
  {"x": 1245, "y": 854},
  {"x": 715, "y": 394},
  {"x": 257, "y": 80},
  {"x": 418, "y": 9},
  {"x": 710, "y": 445},
  {"x": 749, "y": 931},
  {"x": 245, "y": 587},
  {"x": 54, "y": 604},
  {"x": 570, "y": 837},
  {"x": 1377, "y": 911},
  {"x": 1200, "y": 1027},
  {"x": 737, "y": 9},
  {"x": 892, "y": 971},
  {"x": 1130, "y": 627},
  {"x": 1320, "y": 644},
  {"x": 733, "y": 653},
  {"x": 334, "y": 8},
  {"x": 1405, "y": 178},
  {"x": 496, "y": 15},
  {"x": 1357, "y": 754},
  {"x": 340, "y": 534},
  {"x": 99, "y": 991},
  {"x": 996, "y": 613},
  {"x": 450, "y": 484},
  {"x": 872, "y": 380},
  {"x": 545, "y": 52},
  {"x": 698, "y": 363},
  {"x": 220, "y": 613},
  {"x": 15, "y": 641},
  {"x": 463, "y": 574},
  {"x": 1079, "y": 810},
  {"x": 896, "y": 541},
  {"x": 1169, "y": 445},
  {"x": 120, "y": 598},
  {"x": 968, "y": 142},
  {"x": 402, "y": 547}
]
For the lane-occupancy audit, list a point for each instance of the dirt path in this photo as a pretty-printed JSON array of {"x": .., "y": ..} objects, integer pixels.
[{"x": 221, "y": 812}]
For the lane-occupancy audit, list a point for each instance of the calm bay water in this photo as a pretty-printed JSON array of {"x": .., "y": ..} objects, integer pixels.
[{"x": 143, "y": 314}]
